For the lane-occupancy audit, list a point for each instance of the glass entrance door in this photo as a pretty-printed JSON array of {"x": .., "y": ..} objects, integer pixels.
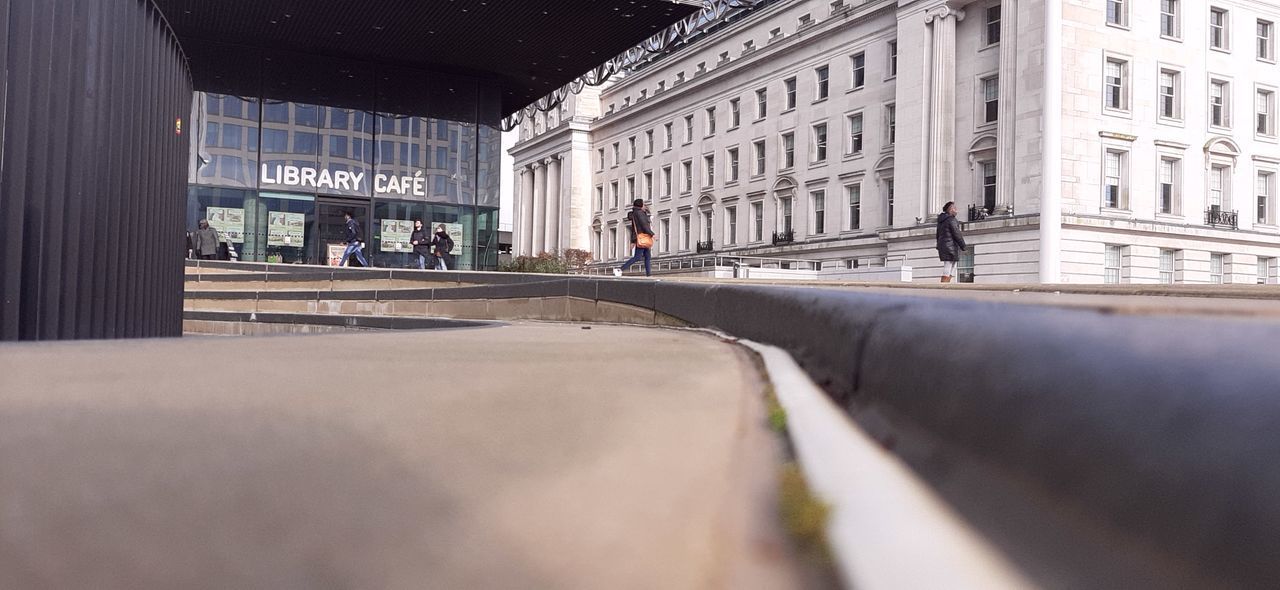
[{"x": 331, "y": 228}]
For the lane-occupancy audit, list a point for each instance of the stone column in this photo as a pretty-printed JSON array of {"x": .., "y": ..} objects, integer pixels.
[
  {"x": 539, "y": 232},
  {"x": 1007, "y": 127},
  {"x": 554, "y": 181},
  {"x": 525, "y": 243},
  {"x": 942, "y": 124},
  {"x": 926, "y": 103}
]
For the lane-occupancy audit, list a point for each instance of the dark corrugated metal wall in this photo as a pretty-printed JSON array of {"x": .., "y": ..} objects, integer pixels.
[{"x": 92, "y": 170}]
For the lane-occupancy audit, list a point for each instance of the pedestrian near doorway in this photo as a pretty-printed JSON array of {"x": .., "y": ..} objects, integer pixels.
[
  {"x": 641, "y": 237},
  {"x": 204, "y": 242},
  {"x": 355, "y": 240},
  {"x": 443, "y": 248},
  {"x": 950, "y": 241},
  {"x": 421, "y": 241}
]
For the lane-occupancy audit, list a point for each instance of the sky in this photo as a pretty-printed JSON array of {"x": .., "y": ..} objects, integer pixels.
[{"x": 507, "y": 193}]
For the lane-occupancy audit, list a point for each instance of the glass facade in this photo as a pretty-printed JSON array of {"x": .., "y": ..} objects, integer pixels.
[{"x": 274, "y": 176}]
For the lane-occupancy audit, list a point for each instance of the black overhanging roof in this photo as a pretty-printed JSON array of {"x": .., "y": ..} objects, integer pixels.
[{"x": 528, "y": 47}]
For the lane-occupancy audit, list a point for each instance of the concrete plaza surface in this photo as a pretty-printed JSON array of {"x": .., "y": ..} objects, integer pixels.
[{"x": 520, "y": 456}]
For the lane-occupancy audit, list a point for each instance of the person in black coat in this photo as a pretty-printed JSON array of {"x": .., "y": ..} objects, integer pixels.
[
  {"x": 950, "y": 241},
  {"x": 637, "y": 222},
  {"x": 421, "y": 241},
  {"x": 443, "y": 245}
]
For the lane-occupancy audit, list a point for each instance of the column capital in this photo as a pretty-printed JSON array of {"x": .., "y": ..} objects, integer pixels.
[
  {"x": 535, "y": 165},
  {"x": 943, "y": 11}
]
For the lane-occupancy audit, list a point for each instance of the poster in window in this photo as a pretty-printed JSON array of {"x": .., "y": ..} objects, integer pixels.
[
  {"x": 455, "y": 232},
  {"x": 334, "y": 251},
  {"x": 229, "y": 222},
  {"x": 285, "y": 229},
  {"x": 395, "y": 235}
]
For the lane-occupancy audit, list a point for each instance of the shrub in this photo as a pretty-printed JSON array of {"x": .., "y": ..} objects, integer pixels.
[{"x": 549, "y": 262}]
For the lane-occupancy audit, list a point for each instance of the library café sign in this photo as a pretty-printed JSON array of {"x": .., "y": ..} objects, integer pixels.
[{"x": 342, "y": 180}]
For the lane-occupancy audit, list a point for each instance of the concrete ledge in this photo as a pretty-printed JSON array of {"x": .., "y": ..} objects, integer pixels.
[{"x": 345, "y": 321}]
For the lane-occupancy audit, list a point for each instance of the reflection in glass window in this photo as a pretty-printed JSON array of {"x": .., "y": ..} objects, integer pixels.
[
  {"x": 337, "y": 146},
  {"x": 276, "y": 112},
  {"x": 211, "y": 134},
  {"x": 231, "y": 136},
  {"x": 338, "y": 118},
  {"x": 306, "y": 115},
  {"x": 275, "y": 141}
]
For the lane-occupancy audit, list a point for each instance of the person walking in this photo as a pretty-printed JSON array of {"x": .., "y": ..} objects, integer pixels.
[
  {"x": 641, "y": 237},
  {"x": 355, "y": 241},
  {"x": 950, "y": 240},
  {"x": 204, "y": 242},
  {"x": 443, "y": 248},
  {"x": 421, "y": 241}
]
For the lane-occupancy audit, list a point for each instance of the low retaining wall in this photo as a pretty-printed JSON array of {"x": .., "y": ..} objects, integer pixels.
[{"x": 1097, "y": 450}]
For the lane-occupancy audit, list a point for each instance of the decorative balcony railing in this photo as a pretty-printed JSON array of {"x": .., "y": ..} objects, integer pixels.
[
  {"x": 980, "y": 212},
  {"x": 706, "y": 246},
  {"x": 784, "y": 237},
  {"x": 1216, "y": 216}
]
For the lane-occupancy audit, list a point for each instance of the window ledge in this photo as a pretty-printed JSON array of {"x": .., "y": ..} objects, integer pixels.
[
  {"x": 1226, "y": 50},
  {"x": 755, "y": 177},
  {"x": 1267, "y": 227},
  {"x": 734, "y": 128},
  {"x": 1265, "y": 138},
  {"x": 759, "y": 119},
  {"x": 852, "y": 156},
  {"x": 707, "y": 136},
  {"x": 819, "y": 100},
  {"x": 1171, "y": 38},
  {"x": 1223, "y": 128},
  {"x": 855, "y": 89},
  {"x": 1267, "y": 60},
  {"x": 666, "y": 149},
  {"x": 785, "y": 111},
  {"x": 1116, "y": 212},
  {"x": 893, "y": 77},
  {"x": 820, "y": 164},
  {"x": 1171, "y": 122},
  {"x": 730, "y": 183},
  {"x": 986, "y": 125},
  {"x": 887, "y": 149},
  {"x": 1121, "y": 26},
  {"x": 1170, "y": 217},
  {"x": 988, "y": 46},
  {"x": 1114, "y": 112}
]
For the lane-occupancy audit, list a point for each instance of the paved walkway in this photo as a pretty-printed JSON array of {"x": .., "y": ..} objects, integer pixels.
[{"x": 525, "y": 456}]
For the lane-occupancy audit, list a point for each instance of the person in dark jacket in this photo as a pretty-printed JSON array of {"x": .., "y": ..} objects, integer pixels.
[
  {"x": 443, "y": 246},
  {"x": 204, "y": 242},
  {"x": 637, "y": 223},
  {"x": 950, "y": 241},
  {"x": 355, "y": 240},
  {"x": 421, "y": 241}
]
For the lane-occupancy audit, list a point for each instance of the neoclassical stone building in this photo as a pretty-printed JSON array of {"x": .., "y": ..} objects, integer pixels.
[{"x": 834, "y": 131}]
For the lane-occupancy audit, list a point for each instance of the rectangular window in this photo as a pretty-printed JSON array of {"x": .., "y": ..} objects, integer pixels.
[
  {"x": 617, "y": 154},
  {"x": 1166, "y": 267},
  {"x": 854, "y": 192},
  {"x": 1168, "y": 185},
  {"x": 711, "y": 121},
  {"x": 1266, "y": 41},
  {"x": 790, "y": 86},
  {"x": 893, "y": 58},
  {"x": 732, "y": 155},
  {"x": 1266, "y": 182},
  {"x": 735, "y": 113},
  {"x": 688, "y": 129},
  {"x": 600, "y": 158},
  {"x": 648, "y": 186},
  {"x": 666, "y": 234},
  {"x": 1219, "y": 103},
  {"x": 758, "y": 146},
  {"x": 757, "y": 221},
  {"x": 730, "y": 225},
  {"x": 1118, "y": 12},
  {"x": 709, "y": 167},
  {"x": 668, "y": 137},
  {"x": 599, "y": 198},
  {"x": 989, "y": 186},
  {"x": 613, "y": 195},
  {"x": 1219, "y": 21},
  {"x": 964, "y": 268},
  {"x": 1264, "y": 270},
  {"x": 631, "y": 189},
  {"x": 666, "y": 180},
  {"x": 684, "y": 231},
  {"x": 890, "y": 124},
  {"x": 1115, "y": 82},
  {"x": 786, "y": 211},
  {"x": 888, "y": 201},
  {"x": 788, "y": 150},
  {"x": 819, "y": 204},
  {"x": 687, "y": 168},
  {"x": 631, "y": 149},
  {"x": 1217, "y": 183},
  {"x": 1170, "y": 104},
  {"x": 859, "y": 70},
  {"x": 823, "y": 75},
  {"x": 1169, "y": 19},
  {"x": 820, "y": 143},
  {"x": 613, "y": 243},
  {"x": 1265, "y": 105},
  {"x": 990, "y": 99},
  {"x": 993, "y": 24},
  {"x": 648, "y": 142},
  {"x": 1215, "y": 269},
  {"x": 762, "y": 103},
  {"x": 1114, "y": 179},
  {"x": 1111, "y": 268},
  {"x": 855, "y": 134}
]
